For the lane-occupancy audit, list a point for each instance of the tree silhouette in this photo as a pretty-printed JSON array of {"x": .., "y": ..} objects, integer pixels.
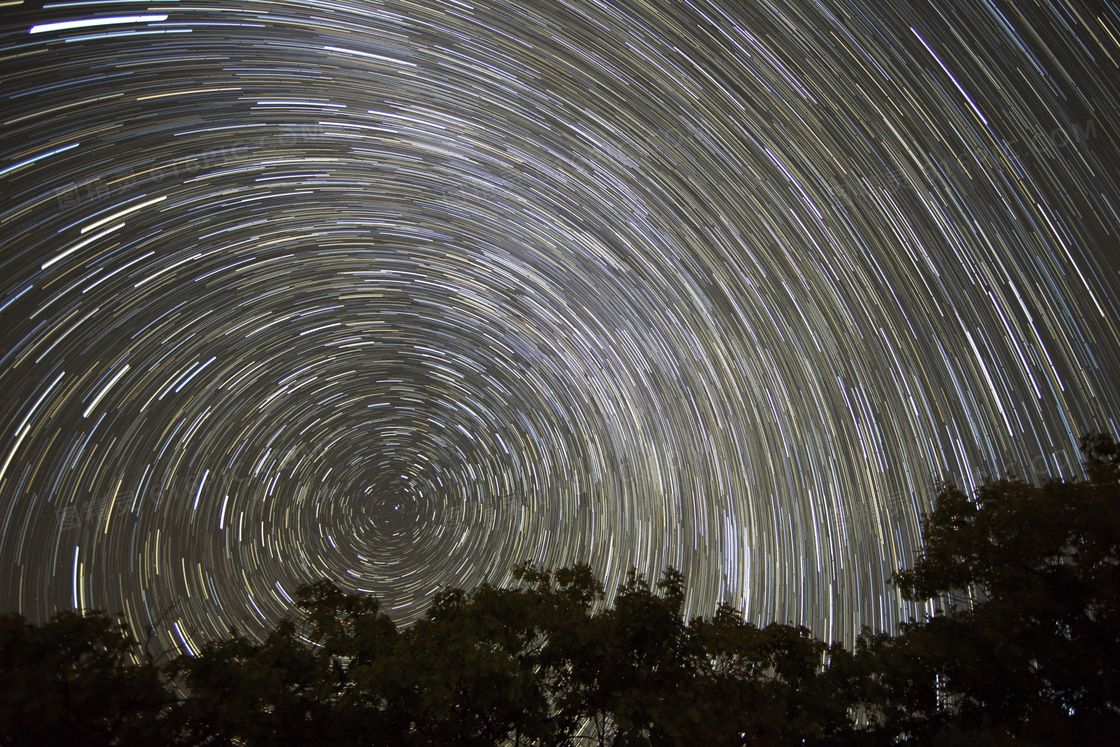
[
  {"x": 1037, "y": 654},
  {"x": 80, "y": 679}
]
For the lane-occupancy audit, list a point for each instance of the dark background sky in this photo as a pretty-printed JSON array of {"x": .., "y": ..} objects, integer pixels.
[{"x": 402, "y": 294}]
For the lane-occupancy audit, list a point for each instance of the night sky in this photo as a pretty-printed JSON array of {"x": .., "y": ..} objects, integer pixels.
[{"x": 401, "y": 294}]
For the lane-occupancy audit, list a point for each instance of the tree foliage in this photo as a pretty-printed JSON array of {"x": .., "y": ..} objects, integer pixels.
[
  {"x": 78, "y": 680},
  {"x": 1024, "y": 649},
  {"x": 1036, "y": 655}
]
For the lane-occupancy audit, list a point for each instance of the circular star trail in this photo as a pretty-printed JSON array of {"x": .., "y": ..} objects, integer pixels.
[{"x": 403, "y": 294}]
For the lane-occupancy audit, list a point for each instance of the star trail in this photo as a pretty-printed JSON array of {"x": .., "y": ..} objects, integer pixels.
[{"x": 402, "y": 294}]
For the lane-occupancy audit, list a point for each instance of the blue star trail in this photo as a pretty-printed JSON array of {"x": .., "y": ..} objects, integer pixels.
[{"x": 403, "y": 294}]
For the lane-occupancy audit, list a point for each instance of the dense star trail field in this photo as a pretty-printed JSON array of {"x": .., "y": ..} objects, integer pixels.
[{"x": 402, "y": 294}]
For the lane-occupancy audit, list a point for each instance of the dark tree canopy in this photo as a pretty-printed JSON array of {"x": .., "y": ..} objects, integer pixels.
[
  {"x": 1030, "y": 642},
  {"x": 1024, "y": 649},
  {"x": 76, "y": 681}
]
